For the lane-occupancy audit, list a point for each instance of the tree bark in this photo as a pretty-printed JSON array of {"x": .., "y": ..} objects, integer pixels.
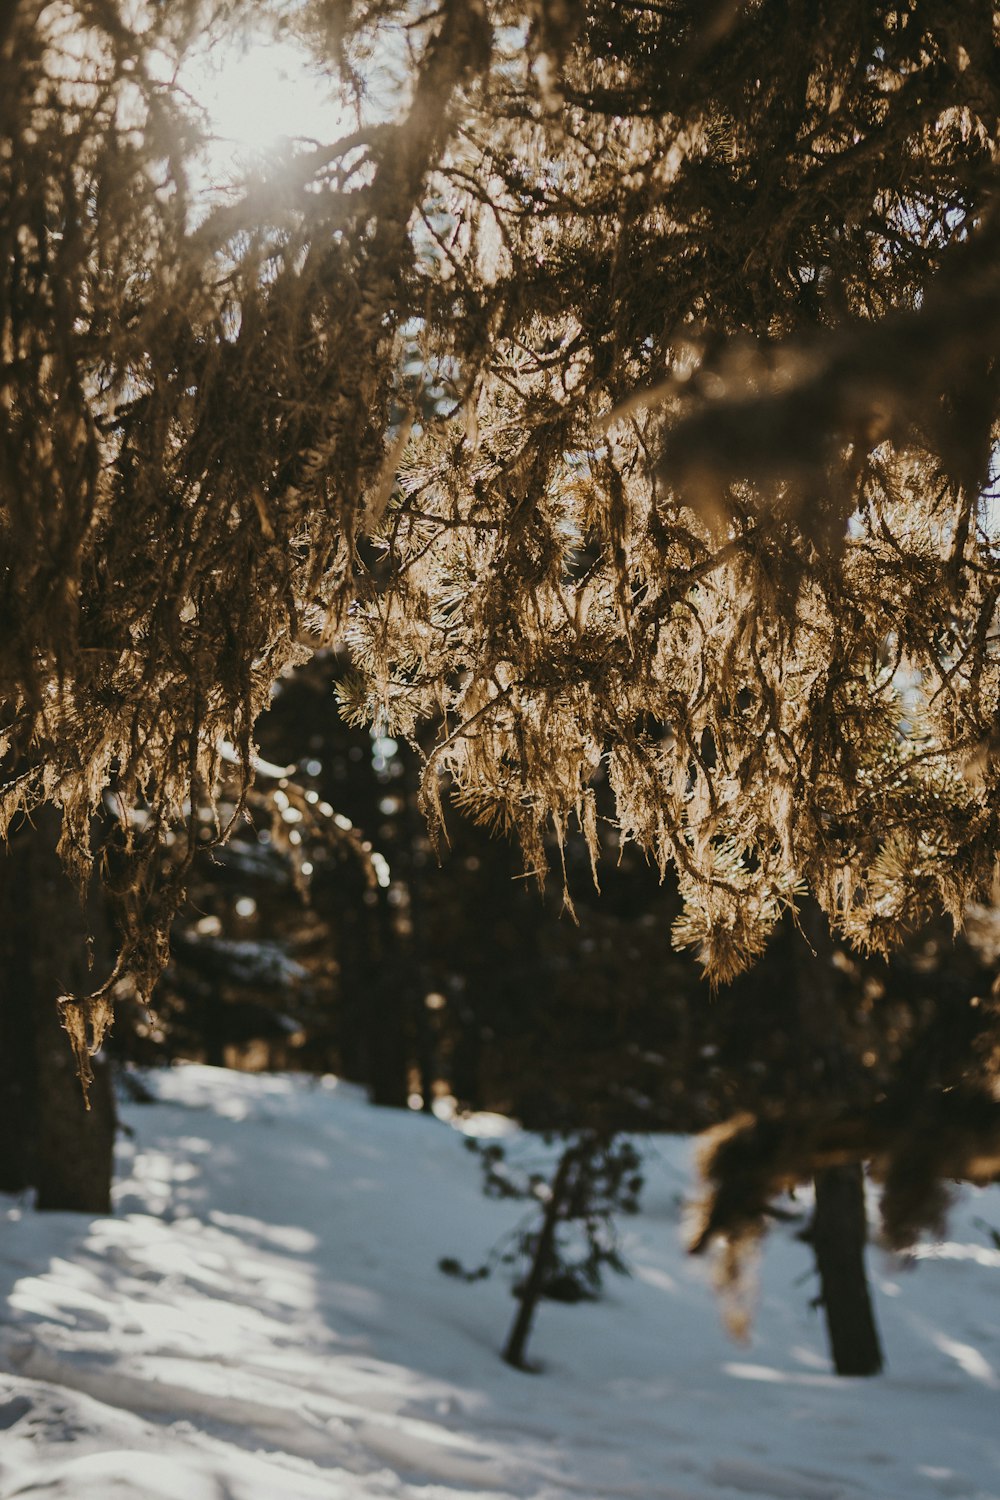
[
  {"x": 388, "y": 1055},
  {"x": 839, "y": 1229},
  {"x": 839, "y": 1232},
  {"x": 52, "y": 1142},
  {"x": 18, "y": 1071},
  {"x": 372, "y": 1035}
]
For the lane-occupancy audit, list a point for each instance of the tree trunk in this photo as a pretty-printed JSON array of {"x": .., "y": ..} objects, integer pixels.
[
  {"x": 372, "y": 1042},
  {"x": 18, "y": 1071},
  {"x": 839, "y": 1229},
  {"x": 465, "y": 1063},
  {"x": 839, "y": 1232},
  {"x": 388, "y": 1060},
  {"x": 51, "y": 1140},
  {"x": 515, "y": 1349},
  {"x": 75, "y": 1145}
]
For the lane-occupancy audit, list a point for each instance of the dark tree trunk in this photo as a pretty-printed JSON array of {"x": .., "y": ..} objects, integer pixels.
[
  {"x": 75, "y": 1144},
  {"x": 388, "y": 1054},
  {"x": 839, "y": 1229},
  {"x": 341, "y": 902},
  {"x": 420, "y": 983},
  {"x": 839, "y": 1232},
  {"x": 385, "y": 982},
  {"x": 465, "y": 1065},
  {"x": 52, "y": 1141},
  {"x": 372, "y": 1033},
  {"x": 515, "y": 1349},
  {"x": 18, "y": 1070},
  {"x": 214, "y": 1025}
]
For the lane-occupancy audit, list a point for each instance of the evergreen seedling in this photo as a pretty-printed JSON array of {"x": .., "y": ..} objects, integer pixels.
[{"x": 569, "y": 1238}]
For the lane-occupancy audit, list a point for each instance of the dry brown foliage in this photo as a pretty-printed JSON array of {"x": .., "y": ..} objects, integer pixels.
[{"x": 628, "y": 396}]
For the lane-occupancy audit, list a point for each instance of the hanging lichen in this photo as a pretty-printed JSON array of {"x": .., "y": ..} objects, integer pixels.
[{"x": 627, "y": 398}]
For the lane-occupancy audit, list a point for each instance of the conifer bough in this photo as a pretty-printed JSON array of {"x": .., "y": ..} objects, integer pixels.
[{"x": 626, "y": 392}]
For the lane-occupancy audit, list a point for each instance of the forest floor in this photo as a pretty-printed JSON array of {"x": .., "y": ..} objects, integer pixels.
[{"x": 263, "y": 1319}]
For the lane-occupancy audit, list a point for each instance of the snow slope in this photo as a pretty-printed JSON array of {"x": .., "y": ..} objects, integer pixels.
[{"x": 262, "y": 1319}]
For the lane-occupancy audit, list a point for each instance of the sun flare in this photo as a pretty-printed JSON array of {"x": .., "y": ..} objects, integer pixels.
[{"x": 256, "y": 95}]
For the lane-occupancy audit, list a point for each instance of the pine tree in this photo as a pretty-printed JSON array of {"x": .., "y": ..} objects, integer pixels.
[{"x": 627, "y": 398}]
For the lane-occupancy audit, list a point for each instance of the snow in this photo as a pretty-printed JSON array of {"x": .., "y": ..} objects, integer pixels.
[{"x": 263, "y": 1319}]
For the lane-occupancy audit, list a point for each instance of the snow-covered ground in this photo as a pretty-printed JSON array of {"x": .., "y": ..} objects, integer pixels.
[{"x": 263, "y": 1319}]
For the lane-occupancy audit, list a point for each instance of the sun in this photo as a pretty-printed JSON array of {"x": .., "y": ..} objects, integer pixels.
[{"x": 258, "y": 94}]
